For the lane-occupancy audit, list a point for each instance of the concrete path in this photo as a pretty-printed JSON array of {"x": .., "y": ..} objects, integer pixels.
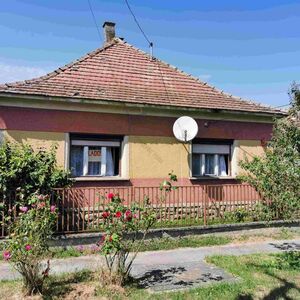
[{"x": 147, "y": 261}]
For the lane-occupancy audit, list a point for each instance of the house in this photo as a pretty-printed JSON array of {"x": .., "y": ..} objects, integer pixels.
[{"x": 111, "y": 114}]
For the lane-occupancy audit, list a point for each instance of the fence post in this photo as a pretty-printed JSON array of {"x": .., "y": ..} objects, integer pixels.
[{"x": 204, "y": 210}]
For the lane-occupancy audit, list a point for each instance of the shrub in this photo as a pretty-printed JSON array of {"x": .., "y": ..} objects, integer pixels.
[
  {"x": 28, "y": 242},
  {"x": 238, "y": 216},
  {"x": 28, "y": 172},
  {"x": 276, "y": 175},
  {"x": 125, "y": 230}
]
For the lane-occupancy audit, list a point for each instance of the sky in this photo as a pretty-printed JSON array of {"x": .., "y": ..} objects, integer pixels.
[{"x": 248, "y": 48}]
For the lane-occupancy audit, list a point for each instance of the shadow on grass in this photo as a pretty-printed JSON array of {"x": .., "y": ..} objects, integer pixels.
[
  {"x": 61, "y": 286},
  {"x": 280, "y": 292}
]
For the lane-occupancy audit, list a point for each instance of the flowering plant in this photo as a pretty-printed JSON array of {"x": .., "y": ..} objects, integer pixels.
[
  {"x": 27, "y": 245},
  {"x": 126, "y": 227}
]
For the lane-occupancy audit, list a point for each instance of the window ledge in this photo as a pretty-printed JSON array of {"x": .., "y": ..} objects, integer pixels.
[
  {"x": 212, "y": 177},
  {"x": 98, "y": 178}
]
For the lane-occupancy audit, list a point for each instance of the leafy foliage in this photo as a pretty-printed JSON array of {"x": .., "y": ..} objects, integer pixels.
[
  {"x": 276, "y": 176},
  {"x": 27, "y": 245},
  {"x": 27, "y": 171},
  {"x": 126, "y": 227}
]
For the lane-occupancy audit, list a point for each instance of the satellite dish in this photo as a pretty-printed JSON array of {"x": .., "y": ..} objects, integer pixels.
[{"x": 185, "y": 129}]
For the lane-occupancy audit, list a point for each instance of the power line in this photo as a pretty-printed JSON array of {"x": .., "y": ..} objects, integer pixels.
[
  {"x": 138, "y": 24},
  {"x": 94, "y": 18}
]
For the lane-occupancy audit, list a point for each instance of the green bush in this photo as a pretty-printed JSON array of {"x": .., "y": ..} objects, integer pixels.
[
  {"x": 276, "y": 175},
  {"x": 27, "y": 172}
]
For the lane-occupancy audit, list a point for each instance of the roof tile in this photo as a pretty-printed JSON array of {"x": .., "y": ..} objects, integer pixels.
[{"x": 120, "y": 72}]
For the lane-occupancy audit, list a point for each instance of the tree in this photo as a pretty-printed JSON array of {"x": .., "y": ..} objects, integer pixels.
[{"x": 276, "y": 176}]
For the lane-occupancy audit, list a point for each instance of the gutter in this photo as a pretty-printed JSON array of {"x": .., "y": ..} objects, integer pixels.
[{"x": 131, "y": 107}]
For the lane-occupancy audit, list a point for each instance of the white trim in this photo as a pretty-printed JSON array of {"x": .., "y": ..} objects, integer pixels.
[
  {"x": 100, "y": 178},
  {"x": 103, "y": 161},
  {"x": 202, "y": 172},
  {"x": 95, "y": 143},
  {"x": 67, "y": 151},
  {"x": 85, "y": 160},
  {"x": 234, "y": 158},
  {"x": 211, "y": 149},
  {"x": 216, "y": 163},
  {"x": 124, "y": 155}
]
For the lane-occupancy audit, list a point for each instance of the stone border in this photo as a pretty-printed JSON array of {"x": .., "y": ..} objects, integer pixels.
[{"x": 75, "y": 239}]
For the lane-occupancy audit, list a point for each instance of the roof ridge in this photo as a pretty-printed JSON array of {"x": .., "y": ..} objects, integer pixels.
[
  {"x": 250, "y": 101},
  {"x": 168, "y": 80},
  {"x": 63, "y": 68}
]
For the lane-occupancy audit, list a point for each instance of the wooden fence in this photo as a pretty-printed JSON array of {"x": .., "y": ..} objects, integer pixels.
[{"x": 80, "y": 209}]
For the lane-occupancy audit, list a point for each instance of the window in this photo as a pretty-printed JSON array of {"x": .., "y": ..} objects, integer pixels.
[
  {"x": 94, "y": 157},
  {"x": 210, "y": 160}
]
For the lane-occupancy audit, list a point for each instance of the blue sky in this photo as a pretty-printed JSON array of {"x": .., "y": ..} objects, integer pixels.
[{"x": 247, "y": 48}]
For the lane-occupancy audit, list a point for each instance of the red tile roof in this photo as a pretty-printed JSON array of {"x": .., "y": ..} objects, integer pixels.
[{"x": 120, "y": 72}]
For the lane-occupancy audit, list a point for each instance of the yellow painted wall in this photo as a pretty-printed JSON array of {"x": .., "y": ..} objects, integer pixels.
[
  {"x": 40, "y": 140},
  {"x": 155, "y": 157},
  {"x": 243, "y": 149},
  {"x": 148, "y": 157}
]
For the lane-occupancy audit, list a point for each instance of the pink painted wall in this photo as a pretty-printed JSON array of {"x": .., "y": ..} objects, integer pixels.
[{"x": 103, "y": 123}]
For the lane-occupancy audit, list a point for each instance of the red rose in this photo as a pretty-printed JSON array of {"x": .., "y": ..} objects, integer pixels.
[
  {"x": 110, "y": 195},
  {"x": 110, "y": 239},
  {"x": 105, "y": 214},
  {"x": 118, "y": 214},
  {"x": 128, "y": 215}
]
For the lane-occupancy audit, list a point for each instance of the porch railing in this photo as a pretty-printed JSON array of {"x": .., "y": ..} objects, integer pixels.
[{"x": 80, "y": 209}]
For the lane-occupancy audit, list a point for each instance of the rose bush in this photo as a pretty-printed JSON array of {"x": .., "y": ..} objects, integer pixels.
[
  {"x": 126, "y": 227},
  {"x": 27, "y": 246}
]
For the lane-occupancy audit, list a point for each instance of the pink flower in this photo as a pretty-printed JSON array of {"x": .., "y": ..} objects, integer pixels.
[
  {"x": 40, "y": 197},
  {"x": 110, "y": 195},
  {"x": 94, "y": 248},
  {"x": 52, "y": 208},
  {"x": 6, "y": 255},
  {"x": 28, "y": 247},
  {"x": 80, "y": 248},
  {"x": 24, "y": 209},
  {"x": 41, "y": 205},
  {"x": 118, "y": 214}
]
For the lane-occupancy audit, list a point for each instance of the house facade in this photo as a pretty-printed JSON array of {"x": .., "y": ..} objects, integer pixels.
[{"x": 111, "y": 114}]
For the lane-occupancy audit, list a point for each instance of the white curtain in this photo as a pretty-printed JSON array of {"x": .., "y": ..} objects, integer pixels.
[
  {"x": 110, "y": 168},
  {"x": 222, "y": 165}
]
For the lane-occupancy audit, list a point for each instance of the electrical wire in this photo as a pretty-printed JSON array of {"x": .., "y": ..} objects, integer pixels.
[
  {"x": 95, "y": 21},
  {"x": 138, "y": 24}
]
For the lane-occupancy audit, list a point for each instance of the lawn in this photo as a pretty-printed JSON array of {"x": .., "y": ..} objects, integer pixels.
[{"x": 261, "y": 277}]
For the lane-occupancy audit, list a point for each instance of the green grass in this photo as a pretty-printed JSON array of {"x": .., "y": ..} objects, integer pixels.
[
  {"x": 187, "y": 241},
  {"x": 268, "y": 276},
  {"x": 191, "y": 241},
  {"x": 261, "y": 277}
]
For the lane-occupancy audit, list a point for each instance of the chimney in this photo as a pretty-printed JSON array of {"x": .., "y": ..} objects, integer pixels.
[{"x": 109, "y": 31}]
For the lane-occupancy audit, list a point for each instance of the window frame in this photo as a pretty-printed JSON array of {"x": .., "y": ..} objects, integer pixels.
[
  {"x": 211, "y": 142},
  {"x": 94, "y": 140}
]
